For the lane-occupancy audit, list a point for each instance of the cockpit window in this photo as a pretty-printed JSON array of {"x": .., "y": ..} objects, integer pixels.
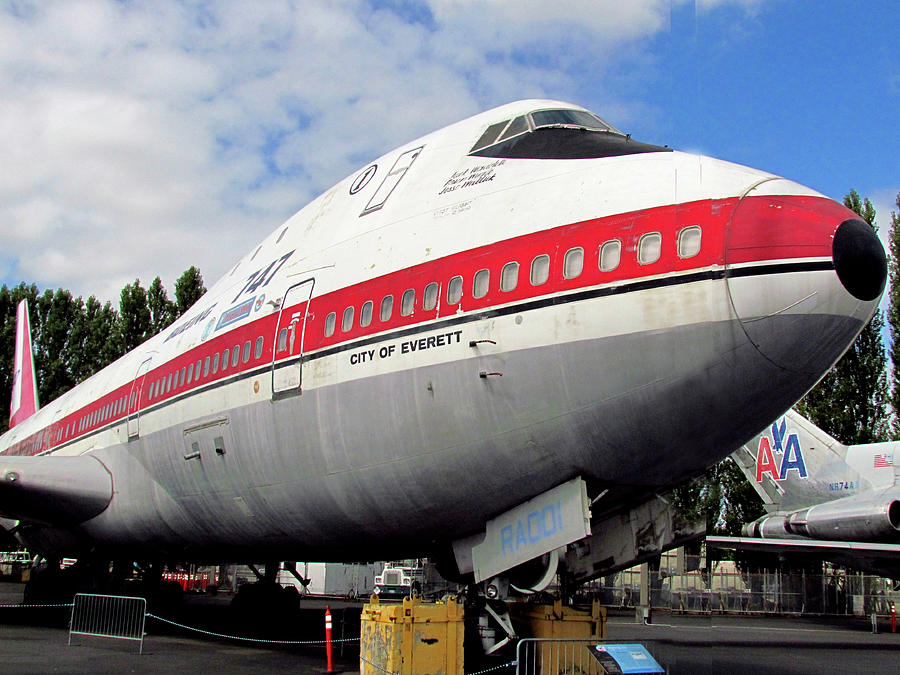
[
  {"x": 516, "y": 127},
  {"x": 570, "y": 118},
  {"x": 557, "y": 133},
  {"x": 490, "y": 135}
]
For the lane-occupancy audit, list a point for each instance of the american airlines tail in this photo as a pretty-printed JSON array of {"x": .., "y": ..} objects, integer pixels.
[
  {"x": 24, "y": 402},
  {"x": 817, "y": 488}
]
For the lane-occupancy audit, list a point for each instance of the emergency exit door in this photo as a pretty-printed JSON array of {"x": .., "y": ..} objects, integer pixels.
[{"x": 287, "y": 360}]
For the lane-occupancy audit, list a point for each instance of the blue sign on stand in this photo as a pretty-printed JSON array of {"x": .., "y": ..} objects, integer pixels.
[{"x": 617, "y": 659}]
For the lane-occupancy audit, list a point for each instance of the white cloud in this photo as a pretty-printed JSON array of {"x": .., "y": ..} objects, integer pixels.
[{"x": 142, "y": 138}]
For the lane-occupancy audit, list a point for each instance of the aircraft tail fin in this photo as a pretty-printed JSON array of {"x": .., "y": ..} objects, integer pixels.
[
  {"x": 794, "y": 464},
  {"x": 24, "y": 401}
]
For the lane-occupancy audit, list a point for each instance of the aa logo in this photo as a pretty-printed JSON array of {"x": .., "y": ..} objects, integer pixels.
[{"x": 789, "y": 450}]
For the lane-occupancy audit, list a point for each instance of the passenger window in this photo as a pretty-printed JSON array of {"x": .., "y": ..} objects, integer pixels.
[
  {"x": 330, "y": 321},
  {"x": 181, "y": 378},
  {"x": 429, "y": 302},
  {"x": 225, "y": 355},
  {"x": 169, "y": 382},
  {"x": 206, "y": 366},
  {"x": 282, "y": 339},
  {"x": 197, "y": 370},
  {"x": 689, "y": 242},
  {"x": 540, "y": 270},
  {"x": 236, "y": 355},
  {"x": 246, "y": 355},
  {"x": 454, "y": 290},
  {"x": 573, "y": 263},
  {"x": 347, "y": 319},
  {"x": 649, "y": 248},
  {"x": 610, "y": 255},
  {"x": 387, "y": 308},
  {"x": 481, "y": 283},
  {"x": 215, "y": 363},
  {"x": 509, "y": 277},
  {"x": 407, "y": 302},
  {"x": 190, "y": 373},
  {"x": 152, "y": 392},
  {"x": 365, "y": 314},
  {"x": 257, "y": 351}
]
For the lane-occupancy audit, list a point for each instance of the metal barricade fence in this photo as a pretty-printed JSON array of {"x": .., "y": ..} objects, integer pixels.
[
  {"x": 109, "y": 616},
  {"x": 546, "y": 656}
]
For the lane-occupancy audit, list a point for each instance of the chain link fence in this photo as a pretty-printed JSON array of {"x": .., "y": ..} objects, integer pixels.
[{"x": 722, "y": 588}]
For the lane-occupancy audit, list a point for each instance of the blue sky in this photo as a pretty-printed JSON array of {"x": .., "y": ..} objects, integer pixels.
[{"x": 145, "y": 137}]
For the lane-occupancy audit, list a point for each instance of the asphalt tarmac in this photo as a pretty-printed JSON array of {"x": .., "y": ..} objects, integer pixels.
[
  {"x": 757, "y": 644},
  {"x": 37, "y": 643}
]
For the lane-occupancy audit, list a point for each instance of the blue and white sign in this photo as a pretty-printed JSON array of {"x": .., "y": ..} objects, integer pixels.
[{"x": 549, "y": 521}]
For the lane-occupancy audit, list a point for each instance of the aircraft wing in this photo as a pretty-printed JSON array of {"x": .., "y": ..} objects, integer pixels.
[{"x": 881, "y": 559}]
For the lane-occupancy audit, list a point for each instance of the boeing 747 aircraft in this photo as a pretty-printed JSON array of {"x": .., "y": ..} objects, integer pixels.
[{"x": 495, "y": 345}]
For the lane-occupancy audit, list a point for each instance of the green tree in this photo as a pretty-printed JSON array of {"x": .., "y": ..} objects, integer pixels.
[
  {"x": 96, "y": 339},
  {"x": 851, "y": 402},
  {"x": 894, "y": 316},
  {"x": 57, "y": 312},
  {"x": 722, "y": 498},
  {"x": 188, "y": 289},
  {"x": 162, "y": 310},
  {"x": 134, "y": 316}
]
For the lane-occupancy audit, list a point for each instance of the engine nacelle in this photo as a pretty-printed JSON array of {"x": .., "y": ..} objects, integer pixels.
[
  {"x": 858, "y": 518},
  {"x": 850, "y": 519},
  {"x": 770, "y": 527}
]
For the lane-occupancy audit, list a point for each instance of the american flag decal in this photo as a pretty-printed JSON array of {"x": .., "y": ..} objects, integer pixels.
[{"x": 883, "y": 460}]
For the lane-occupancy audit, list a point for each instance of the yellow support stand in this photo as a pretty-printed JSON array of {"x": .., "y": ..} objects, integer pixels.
[
  {"x": 411, "y": 638},
  {"x": 558, "y": 622}
]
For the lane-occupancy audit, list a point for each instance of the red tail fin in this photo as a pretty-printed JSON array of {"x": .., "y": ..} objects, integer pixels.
[{"x": 24, "y": 390}]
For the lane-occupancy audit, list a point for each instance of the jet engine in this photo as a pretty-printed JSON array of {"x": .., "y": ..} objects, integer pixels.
[{"x": 858, "y": 518}]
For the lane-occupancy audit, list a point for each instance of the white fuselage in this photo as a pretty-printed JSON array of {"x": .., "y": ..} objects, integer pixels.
[{"x": 335, "y": 434}]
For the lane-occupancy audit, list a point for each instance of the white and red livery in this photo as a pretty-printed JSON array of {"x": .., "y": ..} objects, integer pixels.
[{"x": 524, "y": 298}]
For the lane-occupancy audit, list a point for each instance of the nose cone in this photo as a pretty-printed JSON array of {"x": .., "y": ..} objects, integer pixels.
[
  {"x": 859, "y": 259},
  {"x": 804, "y": 276}
]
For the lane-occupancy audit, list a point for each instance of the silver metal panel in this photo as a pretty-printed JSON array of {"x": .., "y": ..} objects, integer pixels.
[{"x": 360, "y": 458}]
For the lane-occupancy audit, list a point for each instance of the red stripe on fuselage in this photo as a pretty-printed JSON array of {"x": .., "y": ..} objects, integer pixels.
[{"x": 791, "y": 227}]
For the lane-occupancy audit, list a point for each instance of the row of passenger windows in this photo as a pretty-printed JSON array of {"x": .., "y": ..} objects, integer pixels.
[
  {"x": 204, "y": 367},
  {"x": 649, "y": 251},
  {"x": 163, "y": 385},
  {"x": 108, "y": 411}
]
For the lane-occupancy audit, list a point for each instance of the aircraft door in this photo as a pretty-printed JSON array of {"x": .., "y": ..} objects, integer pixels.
[
  {"x": 287, "y": 358},
  {"x": 134, "y": 400}
]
